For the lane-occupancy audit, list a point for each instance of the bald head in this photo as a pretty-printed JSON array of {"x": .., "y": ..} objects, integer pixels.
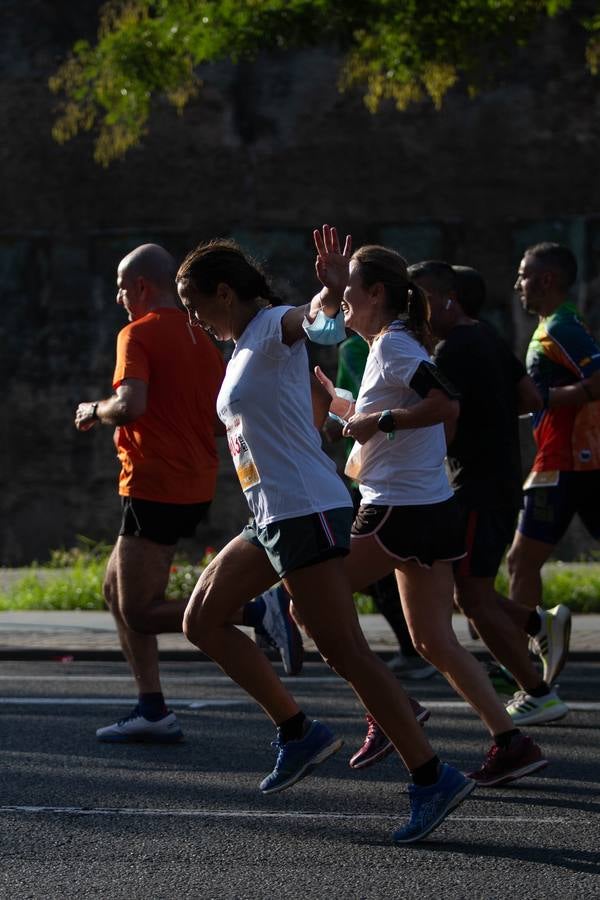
[
  {"x": 154, "y": 264},
  {"x": 146, "y": 281}
]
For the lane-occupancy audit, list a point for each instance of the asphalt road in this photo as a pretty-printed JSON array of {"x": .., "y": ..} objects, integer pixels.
[{"x": 82, "y": 819}]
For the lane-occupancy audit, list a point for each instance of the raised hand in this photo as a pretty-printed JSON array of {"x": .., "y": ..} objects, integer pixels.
[
  {"x": 332, "y": 264},
  {"x": 325, "y": 381}
]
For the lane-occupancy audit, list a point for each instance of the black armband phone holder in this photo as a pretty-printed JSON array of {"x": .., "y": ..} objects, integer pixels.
[{"x": 429, "y": 377}]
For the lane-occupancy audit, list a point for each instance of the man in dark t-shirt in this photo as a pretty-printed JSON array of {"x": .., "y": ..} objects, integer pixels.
[{"x": 484, "y": 464}]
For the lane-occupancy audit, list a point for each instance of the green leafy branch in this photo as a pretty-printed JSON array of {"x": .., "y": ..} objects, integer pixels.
[{"x": 405, "y": 51}]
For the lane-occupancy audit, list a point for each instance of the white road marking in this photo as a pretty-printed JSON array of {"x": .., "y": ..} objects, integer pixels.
[
  {"x": 576, "y": 705},
  {"x": 256, "y": 814},
  {"x": 167, "y": 679},
  {"x": 115, "y": 701}
]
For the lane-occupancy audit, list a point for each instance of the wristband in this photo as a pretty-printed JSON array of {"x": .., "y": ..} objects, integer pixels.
[
  {"x": 95, "y": 415},
  {"x": 345, "y": 395}
]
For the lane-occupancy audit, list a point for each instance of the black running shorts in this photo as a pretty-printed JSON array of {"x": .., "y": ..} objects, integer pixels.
[
  {"x": 163, "y": 523},
  {"x": 487, "y": 535},
  {"x": 304, "y": 540},
  {"x": 427, "y": 534},
  {"x": 548, "y": 511}
]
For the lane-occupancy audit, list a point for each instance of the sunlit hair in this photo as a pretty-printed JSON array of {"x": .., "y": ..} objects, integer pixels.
[
  {"x": 556, "y": 257},
  {"x": 223, "y": 261},
  {"x": 403, "y": 298}
]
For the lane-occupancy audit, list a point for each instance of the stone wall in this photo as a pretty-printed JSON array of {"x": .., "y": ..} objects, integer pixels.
[{"x": 265, "y": 153}]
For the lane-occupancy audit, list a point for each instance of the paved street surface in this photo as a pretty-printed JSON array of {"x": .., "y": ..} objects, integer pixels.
[
  {"x": 82, "y": 819},
  {"x": 77, "y": 632}
]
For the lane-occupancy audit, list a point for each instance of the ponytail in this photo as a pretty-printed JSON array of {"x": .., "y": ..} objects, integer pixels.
[
  {"x": 404, "y": 299},
  {"x": 225, "y": 261},
  {"x": 265, "y": 292},
  {"x": 418, "y": 312}
]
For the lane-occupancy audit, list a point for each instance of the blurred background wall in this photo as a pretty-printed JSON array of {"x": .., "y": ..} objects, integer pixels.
[{"x": 266, "y": 152}]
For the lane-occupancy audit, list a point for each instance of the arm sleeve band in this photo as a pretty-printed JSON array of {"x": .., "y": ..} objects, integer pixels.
[{"x": 429, "y": 377}]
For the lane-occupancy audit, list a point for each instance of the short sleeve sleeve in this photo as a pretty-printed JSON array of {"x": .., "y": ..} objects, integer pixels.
[
  {"x": 399, "y": 358},
  {"x": 573, "y": 347},
  {"x": 269, "y": 338},
  {"x": 132, "y": 359}
]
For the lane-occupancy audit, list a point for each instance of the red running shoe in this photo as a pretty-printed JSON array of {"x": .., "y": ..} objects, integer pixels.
[
  {"x": 522, "y": 757},
  {"x": 377, "y": 745}
]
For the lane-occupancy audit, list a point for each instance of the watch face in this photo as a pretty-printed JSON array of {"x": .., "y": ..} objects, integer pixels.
[{"x": 386, "y": 422}]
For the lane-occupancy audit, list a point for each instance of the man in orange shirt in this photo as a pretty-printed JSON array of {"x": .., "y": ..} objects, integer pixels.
[{"x": 166, "y": 381}]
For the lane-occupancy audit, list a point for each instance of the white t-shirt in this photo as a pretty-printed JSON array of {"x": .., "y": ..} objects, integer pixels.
[
  {"x": 265, "y": 404},
  {"x": 409, "y": 469}
]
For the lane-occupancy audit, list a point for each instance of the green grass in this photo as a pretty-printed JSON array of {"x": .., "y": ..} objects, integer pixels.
[
  {"x": 72, "y": 579},
  {"x": 577, "y": 585}
]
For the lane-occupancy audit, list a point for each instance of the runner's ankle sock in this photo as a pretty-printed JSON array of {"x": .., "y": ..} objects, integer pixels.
[
  {"x": 254, "y": 612},
  {"x": 293, "y": 729},
  {"x": 503, "y": 740},
  {"x": 152, "y": 706},
  {"x": 426, "y": 774},
  {"x": 540, "y": 691},
  {"x": 534, "y": 623}
]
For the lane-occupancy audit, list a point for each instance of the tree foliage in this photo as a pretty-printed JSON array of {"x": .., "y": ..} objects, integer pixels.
[{"x": 400, "y": 50}]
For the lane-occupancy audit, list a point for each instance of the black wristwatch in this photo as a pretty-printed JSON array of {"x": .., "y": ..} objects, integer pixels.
[
  {"x": 95, "y": 411},
  {"x": 385, "y": 422}
]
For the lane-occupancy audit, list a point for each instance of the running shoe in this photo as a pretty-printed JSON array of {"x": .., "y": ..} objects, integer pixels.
[
  {"x": 430, "y": 805},
  {"x": 263, "y": 643},
  {"x": 522, "y": 757},
  {"x": 377, "y": 744},
  {"x": 551, "y": 643},
  {"x": 414, "y": 668},
  {"x": 474, "y": 634},
  {"x": 134, "y": 728},
  {"x": 281, "y": 631},
  {"x": 297, "y": 758},
  {"x": 502, "y": 681},
  {"x": 525, "y": 709}
]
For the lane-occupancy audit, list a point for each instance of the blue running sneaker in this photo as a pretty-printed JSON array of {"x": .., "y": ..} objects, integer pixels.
[
  {"x": 280, "y": 630},
  {"x": 297, "y": 758},
  {"x": 430, "y": 805}
]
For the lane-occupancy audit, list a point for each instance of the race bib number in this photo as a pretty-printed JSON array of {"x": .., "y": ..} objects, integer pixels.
[
  {"x": 354, "y": 463},
  {"x": 541, "y": 479},
  {"x": 241, "y": 455}
]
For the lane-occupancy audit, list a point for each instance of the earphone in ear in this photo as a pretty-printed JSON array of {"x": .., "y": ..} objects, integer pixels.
[{"x": 448, "y": 303}]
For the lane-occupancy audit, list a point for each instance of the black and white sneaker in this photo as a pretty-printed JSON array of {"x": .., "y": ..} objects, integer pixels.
[
  {"x": 551, "y": 643},
  {"x": 134, "y": 728}
]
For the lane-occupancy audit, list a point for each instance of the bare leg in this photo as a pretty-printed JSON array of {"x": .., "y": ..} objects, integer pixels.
[
  {"x": 323, "y": 597},
  {"x": 427, "y": 601},
  {"x": 143, "y": 572},
  {"x": 140, "y": 650},
  {"x": 240, "y": 572},
  {"x": 525, "y": 560},
  {"x": 504, "y": 638}
]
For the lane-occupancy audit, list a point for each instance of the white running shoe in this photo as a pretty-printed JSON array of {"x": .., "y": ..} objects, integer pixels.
[
  {"x": 551, "y": 643},
  {"x": 136, "y": 729},
  {"x": 525, "y": 709},
  {"x": 280, "y": 630}
]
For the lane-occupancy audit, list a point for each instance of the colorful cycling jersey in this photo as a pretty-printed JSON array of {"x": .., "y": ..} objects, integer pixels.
[{"x": 562, "y": 351}]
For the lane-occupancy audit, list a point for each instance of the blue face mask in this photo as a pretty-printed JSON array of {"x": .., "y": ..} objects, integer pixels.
[{"x": 325, "y": 330}]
